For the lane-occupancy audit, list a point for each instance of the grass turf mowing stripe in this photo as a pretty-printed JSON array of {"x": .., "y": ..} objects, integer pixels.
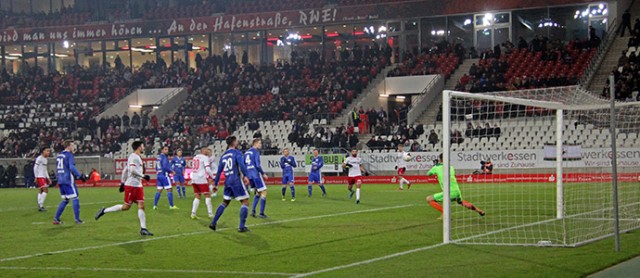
[
  {"x": 197, "y": 233},
  {"x": 35, "y": 208},
  {"x": 148, "y": 270}
]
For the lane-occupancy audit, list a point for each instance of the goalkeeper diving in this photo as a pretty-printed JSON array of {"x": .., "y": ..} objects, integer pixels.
[{"x": 435, "y": 200}]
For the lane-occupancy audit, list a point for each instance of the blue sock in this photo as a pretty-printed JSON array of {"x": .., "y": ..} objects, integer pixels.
[
  {"x": 284, "y": 190},
  {"x": 170, "y": 196},
  {"x": 310, "y": 188},
  {"x": 179, "y": 192},
  {"x": 323, "y": 190},
  {"x": 156, "y": 199},
  {"x": 263, "y": 204},
  {"x": 293, "y": 192},
  {"x": 255, "y": 204},
  {"x": 76, "y": 208},
  {"x": 244, "y": 211},
  {"x": 184, "y": 191},
  {"x": 218, "y": 214},
  {"x": 60, "y": 210}
]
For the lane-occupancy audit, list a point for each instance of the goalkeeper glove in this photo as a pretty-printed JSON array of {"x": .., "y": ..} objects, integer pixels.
[
  {"x": 121, "y": 189},
  {"x": 146, "y": 177}
]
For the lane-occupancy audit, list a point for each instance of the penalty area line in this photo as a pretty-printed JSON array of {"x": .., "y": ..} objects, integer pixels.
[
  {"x": 390, "y": 256},
  {"x": 147, "y": 270},
  {"x": 198, "y": 233}
]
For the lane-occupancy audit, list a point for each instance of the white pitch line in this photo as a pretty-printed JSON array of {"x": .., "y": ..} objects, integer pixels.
[
  {"x": 148, "y": 270},
  {"x": 34, "y": 208},
  {"x": 369, "y": 260},
  {"x": 196, "y": 233}
]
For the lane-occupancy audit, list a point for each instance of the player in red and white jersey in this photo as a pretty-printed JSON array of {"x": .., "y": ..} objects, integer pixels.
[
  {"x": 200, "y": 180},
  {"x": 42, "y": 176},
  {"x": 131, "y": 185},
  {"x": 354, "y": 164},
  {"x": 401, "y": 166}
]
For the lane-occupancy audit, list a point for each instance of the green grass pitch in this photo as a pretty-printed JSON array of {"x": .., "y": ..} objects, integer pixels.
[{"x": 390, "y": 234}]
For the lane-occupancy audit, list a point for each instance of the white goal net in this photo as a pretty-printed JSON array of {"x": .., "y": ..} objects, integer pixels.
[{"x": 551, "y": 182}]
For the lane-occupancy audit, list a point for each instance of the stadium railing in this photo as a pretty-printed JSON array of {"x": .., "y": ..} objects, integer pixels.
[
  {"x": 601, "y": 53},
  {"x": 428, "y": 95}
]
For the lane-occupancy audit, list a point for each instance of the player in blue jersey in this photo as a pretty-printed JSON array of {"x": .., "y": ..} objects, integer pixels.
[
  {"x": 256, "y": 177},
  {"x": 315, "y": 175},
  {"x": 163, "y": 169},
  {"x": 67, "y": 175},
  {"x": 287, "y": 163},
  {"x": 178, "y": 164},
  {"x": 232, "y": 164}
]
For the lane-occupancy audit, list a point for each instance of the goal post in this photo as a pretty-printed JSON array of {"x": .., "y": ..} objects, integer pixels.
[{"x": 552, "y": 172}]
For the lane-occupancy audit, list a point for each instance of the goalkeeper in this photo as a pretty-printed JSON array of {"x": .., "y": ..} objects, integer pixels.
[{"x": 455, "y": 195}]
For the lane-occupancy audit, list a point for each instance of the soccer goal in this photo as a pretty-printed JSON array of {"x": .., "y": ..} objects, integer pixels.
[{"x": 551, "y": 182}]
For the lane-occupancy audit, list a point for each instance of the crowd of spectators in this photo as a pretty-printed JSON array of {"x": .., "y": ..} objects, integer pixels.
[
  {"x": 627, "y": 76},
  {"x": 441, "y": 58}
]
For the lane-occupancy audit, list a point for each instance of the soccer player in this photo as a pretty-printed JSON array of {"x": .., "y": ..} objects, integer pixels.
[
  {"x": 401, "y": 166},
  {"x": 178, "y": 164},
  {"x": 256, "y": 177},
  {"x": 199, "y": 179},
  {"x": 455, "y": 194},
  {"x": 163, "y": 169},
  {"x": 67, "y": 174},
  {"x": 287, "y": 163},
  {"x": 354, "y": 164},
  {"x": 232, "y": 163},
  {"x": 42, "y": 176},
  {"x": 315, "y": 175},
  {"x": 131, "y": 185}
]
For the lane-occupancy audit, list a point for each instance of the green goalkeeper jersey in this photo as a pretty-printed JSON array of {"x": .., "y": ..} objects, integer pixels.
[{"x": 438, "y": 170}]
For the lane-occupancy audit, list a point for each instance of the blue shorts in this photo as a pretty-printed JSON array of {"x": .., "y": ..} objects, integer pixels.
[
  {"x": 287, "y": 179},
  {"x": 177, "y": 178},
  {"x": 235, "y": 190},
  {"x": 315, "y": 178},
  {"x": 68, "y": 191},
  {"x": 258, "y": 184},
  {"x": 163, "y": 182}
]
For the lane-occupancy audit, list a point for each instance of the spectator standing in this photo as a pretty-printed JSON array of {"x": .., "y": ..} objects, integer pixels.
[
  {"x": 12, "y": 173},
  {"x": 626, "y": 23}
]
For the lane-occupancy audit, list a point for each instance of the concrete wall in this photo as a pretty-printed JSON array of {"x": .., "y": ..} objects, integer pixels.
[
  {"x": 139, "y": 97},
  {"x": 407, "y": 85},
  {"x": 421, "y": 102}
]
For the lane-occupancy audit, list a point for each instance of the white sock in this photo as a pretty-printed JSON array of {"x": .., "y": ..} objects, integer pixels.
[
  {"x": 40, "y": 199},
  {"x": 401, "y": 182},
  {"x": 357, "y": 193},
  {"x": 196, "y": 203},
  {"x": 43, "y": 196},
  {"x": 211, "y": 188},
  {"x": 209, "y": 206},
  {"x": 405, "y": 181},
  {"x": 143, "y": 219},
  {"x": 113, "y": 208}
]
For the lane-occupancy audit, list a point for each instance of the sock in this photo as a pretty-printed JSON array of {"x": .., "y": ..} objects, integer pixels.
[
  {"x": 209, "y": 206},
  {"x": 39, "y": 199},
  {"x": 324, "y": 191},
  {"x": 401, "y": 183},
  {"x": 263, "y": 204},
  {"x": 179, "y": 192},
  {"x": 310, "y": 188},
  {"x": 170, "y": 196},
  {"x": 143, "y": 219},
  {"x": 113, "y": 208},
  {"x": 156, "y": 199},
  {"x": 435, "y": 205},
  {"x": 60, "y": 210},
  {"x": 184, "y": 191},
  {"x": 468, "y": 205},
  {"x": 196, "y": 203},
  {"x": 211, "y": 188},
  {"x": 43, "y": 196},
  {"x": 76, "y": 208},
  {"x": 284, "y": 190},
  {"x": 244, "y": 211},
  {"x": 255, "y": 204},
  {"x": 406, "y": 181},
  {"x": 293, "y": 192},
  {"x": 218, "y": 214},
  {"x": 357, "y": 193}
]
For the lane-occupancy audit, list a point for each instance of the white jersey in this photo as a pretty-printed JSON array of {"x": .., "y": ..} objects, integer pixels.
[
  {"x": 400, "y": 161},
  {"x": 40, "y": 168},
  {"x": 201, "y": 167},
  {"x": 354, "y": 170},
  {"x": 132, "y": 174}
]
